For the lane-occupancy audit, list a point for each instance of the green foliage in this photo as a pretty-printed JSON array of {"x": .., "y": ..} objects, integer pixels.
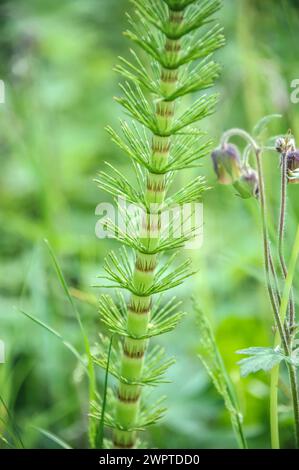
[{"x": 260, "y": 359}]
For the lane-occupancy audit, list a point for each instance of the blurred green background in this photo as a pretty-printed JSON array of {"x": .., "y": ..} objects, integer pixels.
[{"x": 56, "y": 59}]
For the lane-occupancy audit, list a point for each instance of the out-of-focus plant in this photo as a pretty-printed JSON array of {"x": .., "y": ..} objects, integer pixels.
[
  {"x": 211, "y": 358},
  {"x": 161, "y": 140},
  {"x": 238, "y": 171}
]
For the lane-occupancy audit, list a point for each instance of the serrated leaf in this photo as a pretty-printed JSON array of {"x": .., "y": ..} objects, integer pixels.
[{"x": 260, "y": 358}]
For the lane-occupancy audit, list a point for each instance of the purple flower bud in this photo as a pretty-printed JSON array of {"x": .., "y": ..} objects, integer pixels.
[
  {"x": 227, "y": 164},
  {"x": 293, "y": 166},
  {"x": 248, "y": 184}
]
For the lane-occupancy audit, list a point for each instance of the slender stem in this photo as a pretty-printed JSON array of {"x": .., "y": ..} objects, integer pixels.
[
  {"x": 290, "y": 301},
  {"x": 274, "y": 275},
  {"x": 274, "y": 424},
  {"x": 277, "y": 342},
  {"x": 281, "y": 229},
  {"x": 282, "y": 214},
  {"x": 241, "y": 432},
  {"x": 281, "y": 336},
  {"x": 295, "y": 397},
  {"x": 267, "y": 252},
  {"x": 241, "y": 133},
  {"x": 246, "y": 156}
]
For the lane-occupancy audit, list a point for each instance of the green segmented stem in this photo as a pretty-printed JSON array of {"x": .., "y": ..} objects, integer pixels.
[{"x": 139, "y": 308}]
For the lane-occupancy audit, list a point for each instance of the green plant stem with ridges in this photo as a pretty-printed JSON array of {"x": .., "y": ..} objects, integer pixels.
[
  {"x": 174, "y": 145},
  {"x": 139, "y": 308}
]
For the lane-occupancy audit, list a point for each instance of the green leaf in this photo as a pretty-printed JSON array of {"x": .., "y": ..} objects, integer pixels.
[
  {"x": 53, "y": 438},
  {"x": 260, "y": 359}
]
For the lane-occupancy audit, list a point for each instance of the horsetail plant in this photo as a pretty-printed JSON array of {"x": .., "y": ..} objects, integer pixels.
[
  {"x": 279, "y": 276},
  {"x": 161, "y": 140}
]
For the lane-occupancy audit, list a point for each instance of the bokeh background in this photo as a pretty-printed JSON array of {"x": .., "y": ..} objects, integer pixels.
[{"x": 57, "y": 58}]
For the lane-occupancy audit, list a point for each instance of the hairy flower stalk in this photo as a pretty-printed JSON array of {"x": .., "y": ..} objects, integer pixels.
[
  {"x": 281, "y": 229},
  {"x": 285, "y": 329},
  {"x": 287, "y": 147},
  {"x": 160, "y": 141}
]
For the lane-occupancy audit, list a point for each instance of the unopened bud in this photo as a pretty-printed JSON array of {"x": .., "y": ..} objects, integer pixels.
[
  {"x": 293, "y": 167},
  {"x": 248, "y": 184},
  {"x": 227, "y": 163}
]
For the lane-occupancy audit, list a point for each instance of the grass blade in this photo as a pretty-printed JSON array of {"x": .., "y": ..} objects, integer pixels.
[
  {"x": 53, "y": 438},
  {"x": 90, "y": 366},
  {"x": 55, "y": 333},
  {"x": 16, "y": 434},
  {"x": 100, "y": 433}
]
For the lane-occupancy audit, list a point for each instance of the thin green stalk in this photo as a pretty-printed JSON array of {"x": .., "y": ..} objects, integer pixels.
[
  {"x": 291, "y": 368},
  {"x": 100, "y": 432},
  {"x": 274, "y": 422}
]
